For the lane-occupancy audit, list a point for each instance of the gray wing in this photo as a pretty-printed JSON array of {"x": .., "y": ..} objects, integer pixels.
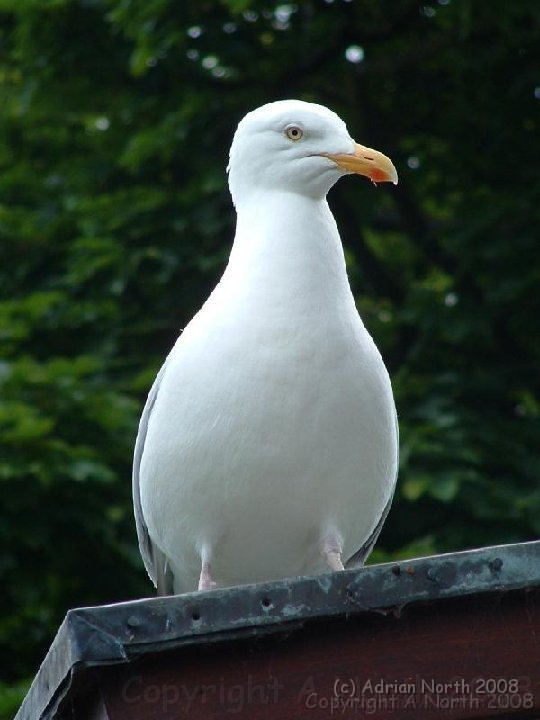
[
  {"x": 154, "y": 560},
  {"x": 360, "y": 556}
]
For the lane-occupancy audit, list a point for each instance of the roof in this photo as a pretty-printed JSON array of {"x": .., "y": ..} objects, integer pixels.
[{"x": 118, "y": 634}]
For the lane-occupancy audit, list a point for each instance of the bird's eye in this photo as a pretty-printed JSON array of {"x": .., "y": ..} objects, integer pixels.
[{"x": 293, "y": 132}]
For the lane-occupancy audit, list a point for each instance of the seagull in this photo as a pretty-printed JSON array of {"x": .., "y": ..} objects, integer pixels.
[{"x": 268, "y": 446}]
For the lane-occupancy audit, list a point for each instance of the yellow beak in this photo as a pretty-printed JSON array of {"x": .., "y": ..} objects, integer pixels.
[{"x": 365, "y": 161}]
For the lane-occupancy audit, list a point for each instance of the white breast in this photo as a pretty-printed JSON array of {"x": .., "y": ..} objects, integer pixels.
[{"x": 274, "y": 421}]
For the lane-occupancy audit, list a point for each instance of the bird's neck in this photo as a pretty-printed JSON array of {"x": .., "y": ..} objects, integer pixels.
[{"x": 287, "y": 251}]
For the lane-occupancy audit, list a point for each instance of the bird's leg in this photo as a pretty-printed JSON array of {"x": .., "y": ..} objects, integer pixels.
[
  {"x": 205, "y": 578},
  {"x": 206, "y": 582},
  {"x": 331, "y": 551}
]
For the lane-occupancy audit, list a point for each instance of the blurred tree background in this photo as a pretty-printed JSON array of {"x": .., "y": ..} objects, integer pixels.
[{"x": 115, "y": 223}]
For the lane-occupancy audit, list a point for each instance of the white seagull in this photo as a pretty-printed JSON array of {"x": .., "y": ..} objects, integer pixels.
[{"x": 268, "y": 446}]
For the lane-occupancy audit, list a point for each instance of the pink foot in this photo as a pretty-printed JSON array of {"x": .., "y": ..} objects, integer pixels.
[
  {"x": 331, "y": 551},
  {"x": 205, "y": 579}
]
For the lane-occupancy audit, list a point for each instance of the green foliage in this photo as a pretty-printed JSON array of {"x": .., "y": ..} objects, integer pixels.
[
  {"x": 115, "y": 222},
  {"x": 11, "y": 696}
]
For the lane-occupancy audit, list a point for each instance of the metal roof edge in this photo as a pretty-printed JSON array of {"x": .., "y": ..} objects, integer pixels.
[{"x": 111, "y": 634}]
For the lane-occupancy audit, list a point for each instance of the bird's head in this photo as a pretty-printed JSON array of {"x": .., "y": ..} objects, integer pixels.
[{"x": 300, "y": 147}]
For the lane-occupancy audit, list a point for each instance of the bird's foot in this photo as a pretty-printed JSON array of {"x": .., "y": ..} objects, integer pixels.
[
  {"x": 331, "y": 551},
  {"x": 206, "y": 582}
]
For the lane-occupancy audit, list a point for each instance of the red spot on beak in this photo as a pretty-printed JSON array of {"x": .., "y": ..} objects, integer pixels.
[{"x": 378, "y": 175}]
